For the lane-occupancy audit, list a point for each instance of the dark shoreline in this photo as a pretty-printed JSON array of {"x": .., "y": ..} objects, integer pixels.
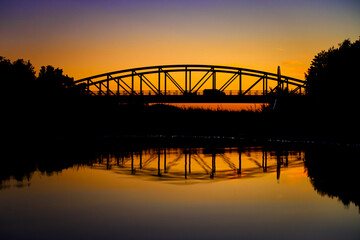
[{"x": 83, "y": 120}]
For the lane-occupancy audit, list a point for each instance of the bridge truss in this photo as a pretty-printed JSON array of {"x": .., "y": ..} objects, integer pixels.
[{"x": 190, "y": 80}]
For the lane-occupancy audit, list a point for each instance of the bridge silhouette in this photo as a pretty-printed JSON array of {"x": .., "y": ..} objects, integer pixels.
[{"x": 189, "y": 83}]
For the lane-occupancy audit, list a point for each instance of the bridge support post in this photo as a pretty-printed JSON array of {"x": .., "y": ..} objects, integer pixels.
[
  {"x": 108, "y": 86},
  {"x": 240, "y": 80},
  {"x": 214, "y": 79},
  {"x": 185, "y": 79},
  {"x": 266, "y": 85},
  {"x": 190, "y": 81},
  {"x": 287, "y": 84},
  {"x": 132, "y": 83},
  {"x": 165, "y": 82},
  {"x": 88, "y": 87},
  {"x": 118, "y": 87},
  {"x": 141, "y": 92},
  {"x": 159, "y": 91},
  {"x": 263, "y": 86}
]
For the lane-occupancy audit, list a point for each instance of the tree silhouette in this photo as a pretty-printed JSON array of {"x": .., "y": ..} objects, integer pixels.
[
  {"x": 333, "y": 85},
  {"x": 333, "y": 74},
  {"x": 16, "y": 77},
  {"x": 53, "y": 81}
]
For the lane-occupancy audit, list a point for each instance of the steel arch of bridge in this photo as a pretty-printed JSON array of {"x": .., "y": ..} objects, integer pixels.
[{"x": 125, "y": 81}]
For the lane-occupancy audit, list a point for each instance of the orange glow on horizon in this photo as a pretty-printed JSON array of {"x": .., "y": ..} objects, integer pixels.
[{"x": 221, "y": 106}]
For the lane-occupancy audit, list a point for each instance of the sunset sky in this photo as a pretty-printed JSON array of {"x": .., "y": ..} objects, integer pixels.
[{"x": 90, "y": 37}]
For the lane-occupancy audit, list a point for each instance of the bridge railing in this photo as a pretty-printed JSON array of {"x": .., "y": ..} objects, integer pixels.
[{"x": 179, "y": 93}]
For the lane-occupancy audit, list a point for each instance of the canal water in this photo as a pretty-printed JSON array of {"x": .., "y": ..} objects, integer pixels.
[{"x": 248, "y": 192}]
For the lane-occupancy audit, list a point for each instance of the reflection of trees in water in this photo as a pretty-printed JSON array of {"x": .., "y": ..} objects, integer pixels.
[
  {"x": 21, "y": 166},
  {"x": 335, "y": 172}
]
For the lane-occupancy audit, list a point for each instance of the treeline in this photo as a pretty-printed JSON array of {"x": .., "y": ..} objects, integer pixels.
[
  {"x": 19, "y": 80},
  {"x": 37, "y": 106}
]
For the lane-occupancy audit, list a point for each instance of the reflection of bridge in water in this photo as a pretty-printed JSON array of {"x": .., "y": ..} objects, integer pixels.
[
  {"x": 192, "y": 84},
  {"x": 199, "y": 163}
]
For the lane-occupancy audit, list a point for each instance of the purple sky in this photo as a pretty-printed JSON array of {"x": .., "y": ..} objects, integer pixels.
[{"x": 89, "y": 37}]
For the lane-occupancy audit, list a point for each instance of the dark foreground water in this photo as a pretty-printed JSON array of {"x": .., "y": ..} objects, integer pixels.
[{"x": 182, "y": 193}]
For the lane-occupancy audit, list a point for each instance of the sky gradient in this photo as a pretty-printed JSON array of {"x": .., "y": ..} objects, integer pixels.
[{"x": 85, "y": 38}]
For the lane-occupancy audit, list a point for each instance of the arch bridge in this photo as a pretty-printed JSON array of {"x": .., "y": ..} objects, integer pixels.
[{"x": 192, "y": 83}]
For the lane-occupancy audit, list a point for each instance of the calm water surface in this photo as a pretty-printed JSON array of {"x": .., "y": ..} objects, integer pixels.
[{"x": 176, "y": 193}]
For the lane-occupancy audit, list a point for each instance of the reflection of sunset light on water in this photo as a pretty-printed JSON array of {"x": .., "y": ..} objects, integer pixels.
[
  {"x": 199, "y": 164},
  {"x": 106, "y": 194}
]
